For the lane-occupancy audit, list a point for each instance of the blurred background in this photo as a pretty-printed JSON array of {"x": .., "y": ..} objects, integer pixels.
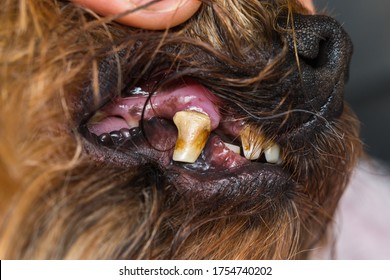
[{"x": 368, "y": 90}]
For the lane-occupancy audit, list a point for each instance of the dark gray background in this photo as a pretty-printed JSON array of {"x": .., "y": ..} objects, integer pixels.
[{"x": 368, "y": 90}]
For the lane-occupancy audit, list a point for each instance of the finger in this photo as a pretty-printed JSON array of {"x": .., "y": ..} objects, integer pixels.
[
  {"x": 308, "y": 4},
  {"x": 159, "y": 15}
]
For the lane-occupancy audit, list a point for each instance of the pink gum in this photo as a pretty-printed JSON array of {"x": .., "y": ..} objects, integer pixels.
[{"x": 165, "y": 104}]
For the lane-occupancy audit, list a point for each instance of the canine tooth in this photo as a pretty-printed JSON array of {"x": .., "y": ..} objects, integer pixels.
[
  {"x": 272, "y": 154},
  {"x": 233, "y": 148},
  {"x": 193, "y": 131},
  {"x": 251, "y": 147}
]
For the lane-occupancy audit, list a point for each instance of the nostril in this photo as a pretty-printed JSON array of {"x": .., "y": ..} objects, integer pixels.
[
  {"x": 321, "y": 41},
  {"x": 315, "y": 55}
]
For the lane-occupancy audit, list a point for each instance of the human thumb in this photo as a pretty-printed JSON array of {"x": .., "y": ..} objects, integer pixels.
[{"x": 147, "y": 14}]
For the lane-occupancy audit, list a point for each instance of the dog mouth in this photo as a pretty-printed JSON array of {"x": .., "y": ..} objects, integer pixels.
[
  {"x": 211, "y": 125},
  {"x": 200, "y": 142}
]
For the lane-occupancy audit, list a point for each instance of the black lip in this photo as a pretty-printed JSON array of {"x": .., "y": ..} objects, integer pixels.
[{"x": 253, "y": 180}]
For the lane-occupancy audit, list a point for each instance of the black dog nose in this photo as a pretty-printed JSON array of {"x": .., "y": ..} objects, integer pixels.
[
  {"x": 322, "y": 43},
  {"x": 322, "y": 50}
]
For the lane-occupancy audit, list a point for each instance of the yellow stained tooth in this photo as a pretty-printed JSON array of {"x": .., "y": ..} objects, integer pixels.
[
  {"x": 193, "y": 131},
  {"x": 251, "y": 145}
]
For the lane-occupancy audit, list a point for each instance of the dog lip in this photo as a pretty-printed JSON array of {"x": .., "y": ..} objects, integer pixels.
[
  {"x": 220, "y": 168},
  {"x": 252, "y": 179},
  {"x": 227, "y": 175}
]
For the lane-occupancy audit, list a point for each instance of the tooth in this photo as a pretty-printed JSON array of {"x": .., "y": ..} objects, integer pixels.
[
  {"x": 272, "y": 154},
  {"x": 233, "y": 148},
  {"x": 193, "y": 131},
  {"x": 250, "y": 146},
  {"x": 251, "y": 152}
]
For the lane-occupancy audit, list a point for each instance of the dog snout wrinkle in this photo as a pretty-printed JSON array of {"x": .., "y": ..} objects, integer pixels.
[{"x": 324, "y": 52}]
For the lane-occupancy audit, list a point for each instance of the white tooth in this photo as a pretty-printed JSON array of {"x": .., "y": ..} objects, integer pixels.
[
  {"x": 193, "y": 131},
  {"x": 233, "y": 148},
  {"x": 272, "y": 154},
  {"x": 251, "y": 147}
]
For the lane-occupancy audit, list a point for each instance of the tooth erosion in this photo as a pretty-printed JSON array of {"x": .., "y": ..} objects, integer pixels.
[
  {"x": 193, "y": 131},
  {"x": 251, "y": 147}
]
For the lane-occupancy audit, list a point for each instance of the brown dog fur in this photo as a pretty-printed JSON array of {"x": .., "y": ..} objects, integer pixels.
[{"x": 56, "y": 202}]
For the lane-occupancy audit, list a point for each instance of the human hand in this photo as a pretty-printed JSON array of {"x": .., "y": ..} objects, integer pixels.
[{"x": 158, "y": 15}]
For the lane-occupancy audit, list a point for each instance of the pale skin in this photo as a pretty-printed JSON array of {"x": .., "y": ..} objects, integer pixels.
[{"x": 157, "y": 16}]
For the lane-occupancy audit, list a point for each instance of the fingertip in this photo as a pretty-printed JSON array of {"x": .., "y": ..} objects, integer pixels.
[
  {"x": 156, "y": 16},
  {"x": 309, "y": 5}
]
